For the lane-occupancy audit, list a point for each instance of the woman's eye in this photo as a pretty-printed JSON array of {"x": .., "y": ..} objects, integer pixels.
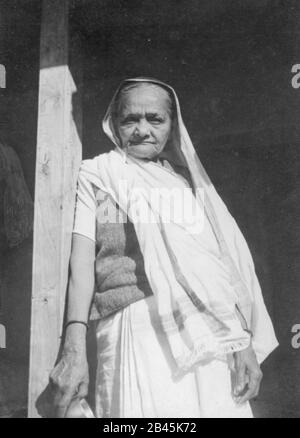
[
  {"x": 127, "y": 121},
  {"x": 156, "y": 120}
]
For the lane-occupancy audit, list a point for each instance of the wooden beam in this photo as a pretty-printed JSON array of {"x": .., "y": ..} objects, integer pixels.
[{"x": 57, "y": 163}]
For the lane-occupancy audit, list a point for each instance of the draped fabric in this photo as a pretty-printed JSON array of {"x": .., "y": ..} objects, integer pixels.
[
  {"x": 199, "y": 266},
  {"x": 135, "y": 373}
]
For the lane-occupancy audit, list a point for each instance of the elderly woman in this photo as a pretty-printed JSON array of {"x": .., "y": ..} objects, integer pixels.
[{"x": 182, "y": 326}]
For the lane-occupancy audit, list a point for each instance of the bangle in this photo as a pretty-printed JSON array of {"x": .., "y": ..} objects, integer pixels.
[{"x": 77, "y": 322}]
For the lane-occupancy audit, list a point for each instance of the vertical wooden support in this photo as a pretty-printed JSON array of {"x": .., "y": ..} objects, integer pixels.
[{"x": 57, "y": 163}]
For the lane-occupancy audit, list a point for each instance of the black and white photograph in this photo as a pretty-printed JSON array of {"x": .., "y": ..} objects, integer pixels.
[{"x": 149, "y": 211}]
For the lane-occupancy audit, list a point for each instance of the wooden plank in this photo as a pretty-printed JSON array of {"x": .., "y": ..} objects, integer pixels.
[{"x": 57, "y": 163}]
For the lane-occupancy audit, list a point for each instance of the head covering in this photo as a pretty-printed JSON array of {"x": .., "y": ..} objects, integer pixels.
[
  {"x": 172, "y": 150},
  {"x": 199, "y": 291}
]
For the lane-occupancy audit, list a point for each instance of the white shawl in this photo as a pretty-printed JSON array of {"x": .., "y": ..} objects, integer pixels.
[{"x": 199, "y": 267}]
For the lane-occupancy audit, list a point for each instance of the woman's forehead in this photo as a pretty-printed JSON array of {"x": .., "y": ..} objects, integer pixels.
[{"x": 145, "y": 96}]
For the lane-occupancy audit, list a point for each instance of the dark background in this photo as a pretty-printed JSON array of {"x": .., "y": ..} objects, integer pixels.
[
  {"x": 19, "y": 52},
  {"x": 230, "y": 63}
]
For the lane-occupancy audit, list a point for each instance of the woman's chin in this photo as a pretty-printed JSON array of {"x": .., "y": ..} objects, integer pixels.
[{"x": 147, "y": 152}]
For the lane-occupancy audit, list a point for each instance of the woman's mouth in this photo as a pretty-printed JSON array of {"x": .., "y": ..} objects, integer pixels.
[{"x": 140, "y": 143}]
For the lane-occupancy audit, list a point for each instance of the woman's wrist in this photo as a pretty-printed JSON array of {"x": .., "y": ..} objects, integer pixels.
[
  {"x": 75, "y": 338},
  {"x": 74, "y": 347}
]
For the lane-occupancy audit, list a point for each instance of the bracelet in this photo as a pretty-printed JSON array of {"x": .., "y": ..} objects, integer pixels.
[{"x": 77, "y": 322}]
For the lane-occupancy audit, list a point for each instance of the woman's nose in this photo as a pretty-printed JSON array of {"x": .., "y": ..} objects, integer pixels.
[{"x": 142, "y": 128}]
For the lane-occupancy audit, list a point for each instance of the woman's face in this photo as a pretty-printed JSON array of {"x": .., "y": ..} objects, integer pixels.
[{"x": 144, "y": 120}]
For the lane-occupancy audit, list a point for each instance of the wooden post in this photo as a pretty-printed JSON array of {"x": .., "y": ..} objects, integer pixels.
[{"x": 57, "y": 163}]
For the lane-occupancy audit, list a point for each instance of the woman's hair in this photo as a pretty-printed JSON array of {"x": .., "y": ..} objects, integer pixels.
[{"x": 131, "y": 85}]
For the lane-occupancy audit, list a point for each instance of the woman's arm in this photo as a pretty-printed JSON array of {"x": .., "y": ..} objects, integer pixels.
[
  {"x": 70, "y": 377},
  {"x": 81, "y": 284}
]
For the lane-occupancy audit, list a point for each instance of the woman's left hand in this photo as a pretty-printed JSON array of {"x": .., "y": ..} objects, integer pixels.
[{"x": 248, "y": 375}]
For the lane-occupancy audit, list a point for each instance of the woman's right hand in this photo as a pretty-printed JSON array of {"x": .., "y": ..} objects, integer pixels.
[{"x": 69, "y": 379}]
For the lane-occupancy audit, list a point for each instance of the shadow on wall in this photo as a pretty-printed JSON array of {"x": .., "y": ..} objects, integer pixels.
[{"x": 16, "y": 226}]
